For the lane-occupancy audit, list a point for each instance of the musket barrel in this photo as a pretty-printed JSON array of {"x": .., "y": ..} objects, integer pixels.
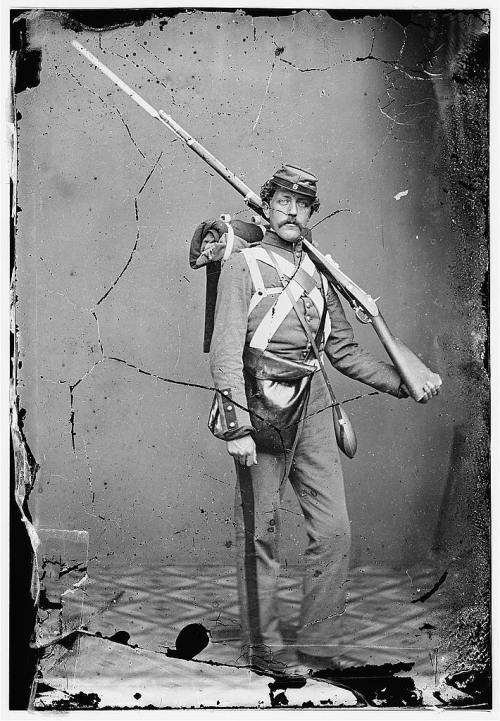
[
  {"x": 251, "y": 198},
  {"x": 354, "y": 292},
  {"x": 115, "y": 79},
  {"x": 411, "y": 369}
]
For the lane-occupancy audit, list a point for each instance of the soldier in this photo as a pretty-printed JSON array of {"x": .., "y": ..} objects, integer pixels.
[{"x": 275, "y": 313}]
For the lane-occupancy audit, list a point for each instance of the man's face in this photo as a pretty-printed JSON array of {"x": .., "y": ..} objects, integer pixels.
[{"x": 288, "y": 214}]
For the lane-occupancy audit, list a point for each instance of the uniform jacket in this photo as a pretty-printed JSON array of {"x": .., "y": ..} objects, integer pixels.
[{"x": 234, "y": 328}]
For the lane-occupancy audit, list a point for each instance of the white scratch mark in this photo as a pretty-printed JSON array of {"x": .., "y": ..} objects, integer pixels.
[
  {"x": 178, "y": 347},
  {"x": 400, "y": 195},
  {"x": 265, "y": 95}
]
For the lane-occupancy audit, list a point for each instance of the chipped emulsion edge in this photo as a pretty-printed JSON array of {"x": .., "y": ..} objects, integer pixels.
[{"x": 25, "y": 465}]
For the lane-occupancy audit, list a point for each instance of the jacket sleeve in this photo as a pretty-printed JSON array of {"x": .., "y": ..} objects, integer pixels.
[
  {"x": 347, "y": 357},
  {"x": 228, "y": 341}
]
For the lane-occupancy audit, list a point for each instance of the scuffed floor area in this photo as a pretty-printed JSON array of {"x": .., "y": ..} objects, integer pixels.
[{"x": 127, "y": 617}]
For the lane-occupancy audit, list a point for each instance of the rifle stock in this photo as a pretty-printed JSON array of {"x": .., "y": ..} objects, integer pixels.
[
  {"x": 412, "y": 370},
  {"x": 409, "y": 366}
]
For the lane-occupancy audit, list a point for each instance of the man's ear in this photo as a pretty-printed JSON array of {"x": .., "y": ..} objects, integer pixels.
[{"x": 265, "y": 208}]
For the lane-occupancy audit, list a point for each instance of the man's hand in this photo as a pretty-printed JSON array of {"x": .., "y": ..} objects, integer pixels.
[
  {"x": 243, "y": 450},
  {"x": 431, "y": 388}
]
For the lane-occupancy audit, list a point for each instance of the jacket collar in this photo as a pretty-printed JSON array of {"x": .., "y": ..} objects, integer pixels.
[{"x": 274, "y": 240}]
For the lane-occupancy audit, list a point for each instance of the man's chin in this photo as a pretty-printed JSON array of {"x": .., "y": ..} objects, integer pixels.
[{"x": 290, "y": 233}]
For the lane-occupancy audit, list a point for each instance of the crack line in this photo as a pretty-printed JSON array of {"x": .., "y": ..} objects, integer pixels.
[
  {"x": 150, "y": 173},
  {"x": 87, "y": 373},
  {"x": 78, "y": 81},
  {"x": 128, "y": 261},
  {"x": 265, "y": 94},
  {"x": 305, "y": 70},
  {"x": 72, "y": 401},
  {"x": 332, "y": 405},
  {"x": 398, "y": 67},
  {"x": 151, "y": 53},
  {"x": 128, "y": 131},
  {"x": 335, "y": 212},
  {"x": 189, "y": 384},
  {"x": 98, "y": 333}
]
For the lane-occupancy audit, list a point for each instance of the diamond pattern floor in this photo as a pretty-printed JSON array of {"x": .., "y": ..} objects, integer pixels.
[{"x": 383, "y": 623}]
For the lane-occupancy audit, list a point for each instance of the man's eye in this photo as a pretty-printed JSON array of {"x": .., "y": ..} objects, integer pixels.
[
  {"x": 303, "y": 204},
  {"x": 283, "y": 201}
]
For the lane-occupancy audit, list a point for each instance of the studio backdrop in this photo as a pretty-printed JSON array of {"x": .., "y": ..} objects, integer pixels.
[{"x": 115, "y": 464}]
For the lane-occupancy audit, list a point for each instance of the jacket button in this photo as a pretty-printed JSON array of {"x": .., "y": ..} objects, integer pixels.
[
  {"x": 232, "y": 425},
  {"x": 229, "y": 408}
]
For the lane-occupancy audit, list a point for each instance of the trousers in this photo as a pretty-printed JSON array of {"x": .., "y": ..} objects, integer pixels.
[{"x": 312, "y": 466}]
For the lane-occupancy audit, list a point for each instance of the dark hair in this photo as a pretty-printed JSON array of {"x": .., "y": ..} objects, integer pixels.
[{"x": 269, "y": 188}]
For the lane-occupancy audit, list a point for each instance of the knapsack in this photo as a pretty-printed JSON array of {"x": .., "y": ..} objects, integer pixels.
[{"x": 213, "y": 241}]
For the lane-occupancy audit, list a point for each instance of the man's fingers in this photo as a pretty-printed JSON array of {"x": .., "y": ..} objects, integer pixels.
[
  {"x": 248, "y": 460},
  {"x": 431, "y": 389},
  {"x": 243, "y": 450}
]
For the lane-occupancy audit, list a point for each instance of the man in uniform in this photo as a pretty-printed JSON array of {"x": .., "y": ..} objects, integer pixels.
[{"x": 256, "y": 317}]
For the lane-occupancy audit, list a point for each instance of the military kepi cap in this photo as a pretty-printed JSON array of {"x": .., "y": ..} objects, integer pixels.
[{"x": 296, "y": 179}]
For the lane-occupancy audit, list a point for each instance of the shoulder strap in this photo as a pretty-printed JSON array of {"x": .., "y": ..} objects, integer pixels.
[
  {"x": 274, "y": 318},
  {"x": 251, "y": 255},
  {"x": 229, "y": 242},
  {"x": 312, "y": 341},
  {"x": 284, "y": 304}
]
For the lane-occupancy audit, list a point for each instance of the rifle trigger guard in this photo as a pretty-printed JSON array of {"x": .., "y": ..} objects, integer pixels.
[{"x": 362, "y": 316}]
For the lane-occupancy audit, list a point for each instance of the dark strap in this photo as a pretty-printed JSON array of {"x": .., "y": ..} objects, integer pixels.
[
  {"x": 213, "y": 273},
  {"x": 308, "y": 284},
  {"x": 305, "y": 280}
]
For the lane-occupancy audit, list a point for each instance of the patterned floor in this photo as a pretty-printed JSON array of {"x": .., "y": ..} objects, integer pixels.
[{"x": 384, "y": 623}]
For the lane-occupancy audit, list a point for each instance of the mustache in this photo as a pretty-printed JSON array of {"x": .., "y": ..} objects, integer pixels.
[
  {"x": 291, "y": 222},
  {"x": 288, "y": 220}
]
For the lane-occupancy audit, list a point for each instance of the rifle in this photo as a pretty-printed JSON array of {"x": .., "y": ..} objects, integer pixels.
[{"x": 413, "y": 372}]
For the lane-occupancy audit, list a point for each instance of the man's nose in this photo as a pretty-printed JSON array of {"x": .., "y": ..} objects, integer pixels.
[{"x": 292, "y": 208}]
